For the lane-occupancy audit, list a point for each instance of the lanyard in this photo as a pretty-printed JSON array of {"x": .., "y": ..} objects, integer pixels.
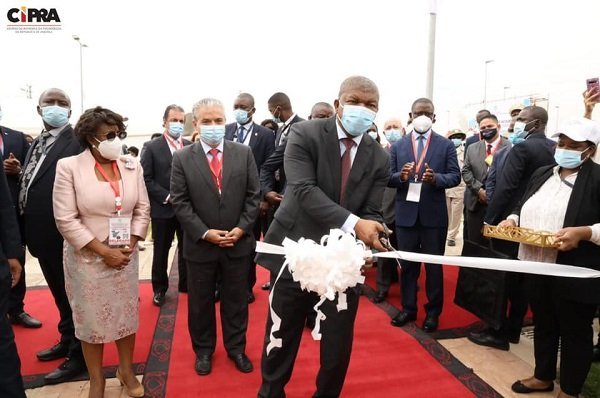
[
  {"x": 172, "y": 143},
  {"x": 420, "y": 161},
  {"x": 113, "y": 184}
]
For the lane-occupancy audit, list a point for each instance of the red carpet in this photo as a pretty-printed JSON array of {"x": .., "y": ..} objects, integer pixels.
[
  {"x": 40, "y": 304},
  {"x": 386, "y": 361},
  {"x": 452, "y": 315}
]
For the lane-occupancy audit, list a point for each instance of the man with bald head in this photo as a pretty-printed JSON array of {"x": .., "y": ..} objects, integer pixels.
[
  {"x": 321, "y": 110},
  {"x": 336, "y": 178},
  {"x": 43, "y": 240},
  {"x": 522, "y": 160}
]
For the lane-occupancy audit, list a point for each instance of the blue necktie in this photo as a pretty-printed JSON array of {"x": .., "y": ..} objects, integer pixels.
[
  {"x": 420, "y": 140},
  {"x": 241, "y": 134}
]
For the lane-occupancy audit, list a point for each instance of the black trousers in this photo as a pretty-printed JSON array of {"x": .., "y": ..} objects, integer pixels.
[
  {"x": 421, "y": 239},
  {"x": 555, "y": 319},
  {"x": 52, "y": 268},
  {"x": 292, "y": 305},
  {"x": 260, "y": 227},
  {"x": 474, "y": 224},
  {"x": 11, "y": 383},
  {"x": 517, "y": 298},
  {"x": 387, "y": 268},
  {"x": 163, "y": 232},
  {"x": 234, "y": 304},
  {"x": 16, "y": 299}
]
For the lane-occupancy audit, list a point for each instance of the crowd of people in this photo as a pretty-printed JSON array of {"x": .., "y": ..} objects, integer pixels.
[{"x": 82, "y": 203}]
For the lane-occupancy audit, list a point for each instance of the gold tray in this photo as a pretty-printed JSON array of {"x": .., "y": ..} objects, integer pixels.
[{"x": 521, "y": 235}]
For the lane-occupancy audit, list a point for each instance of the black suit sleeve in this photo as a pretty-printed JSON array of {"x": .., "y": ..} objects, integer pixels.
[
  {"x": 155, "y": 191},
  {"x": 10, "y": 238},
  {"x": 302, "y": 180},
  {"x": 24, "y": 149},
  {"x": 267, "y": 171},
  {"x": 191, "y": 223},
  {"x": 250, "y": 212},
  {"x": 508, "y": 183},
  {"x": 268, "y": 143},
  {"x": 372, "y": 209}
]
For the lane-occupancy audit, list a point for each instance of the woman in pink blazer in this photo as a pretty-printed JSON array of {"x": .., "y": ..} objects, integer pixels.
[{"x": 102, "y": 210}]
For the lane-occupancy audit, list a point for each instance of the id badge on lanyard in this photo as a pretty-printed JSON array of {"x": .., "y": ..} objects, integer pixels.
[{"x": 119, "y": 228}]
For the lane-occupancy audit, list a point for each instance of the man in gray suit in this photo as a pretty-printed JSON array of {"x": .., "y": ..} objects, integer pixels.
[
  {"x": 336, "y": 176},
  {"x": 478, "y": 159},
  {"x": 215, "y": 194}
]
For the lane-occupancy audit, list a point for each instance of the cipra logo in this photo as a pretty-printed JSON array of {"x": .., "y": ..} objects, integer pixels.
[
  {"x": 25, "y": 14},
  {"x": 33, "y": 20}
]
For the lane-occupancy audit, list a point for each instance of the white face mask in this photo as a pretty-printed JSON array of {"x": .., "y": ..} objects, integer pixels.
[
  {"x": 110, "y": 150},
  {"x": 422, "y": 124}
]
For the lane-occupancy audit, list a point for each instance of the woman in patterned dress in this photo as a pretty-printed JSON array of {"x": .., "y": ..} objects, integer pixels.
[{"x": 101, "y": 195}]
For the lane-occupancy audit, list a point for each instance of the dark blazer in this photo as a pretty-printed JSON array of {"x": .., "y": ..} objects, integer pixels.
[
  {"x": 495, "y": 171},
  {"x": 41, "y": 236},
  {"x": 522, "y": 160},
  {"x": 156, "y": 162},
  {"x": 311, "y": 205},
  {"x": 199, "y": 207},
  {"x": 10, "y": 238},
  {"x": 15, "y": 143},
  {"x": 475, "y": 171},
  {"x": 582, "y": 210},
  {"x": 262, "y": 141},
  {"x": 274, "y": 163},
  {"x": 431, "y": 210}
]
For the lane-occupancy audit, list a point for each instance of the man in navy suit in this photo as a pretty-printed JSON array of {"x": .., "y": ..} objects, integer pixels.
[
  {"x": 156, "y": 161},
  {"x": 262, "y": 142},
  {"x": 424, "y": 164},
  {"x": 14, "y": 147}
]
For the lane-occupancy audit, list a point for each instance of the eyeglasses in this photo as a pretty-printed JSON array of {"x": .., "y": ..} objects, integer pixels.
[{"x": 112, "y": 135}]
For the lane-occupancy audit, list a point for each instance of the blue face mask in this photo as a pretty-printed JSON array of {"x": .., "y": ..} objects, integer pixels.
[
  {"x": 568, "y": 159},
  {"x": 55, "y": 116},
  {"x": 213, "y": 134},
  {"x": 277, "y": 119},
  {"x": 356, "y": 119},
  {"x": 393, "y": 135},
  {"x": 175, "y": 129},
  {"x": 515, "y": 139},
  {"x": 457, "y": 142},
  {"x": 241, "y": 116}
]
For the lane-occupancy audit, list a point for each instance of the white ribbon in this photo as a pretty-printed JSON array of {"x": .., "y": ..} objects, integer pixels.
[{"x": 303, "y": 252}]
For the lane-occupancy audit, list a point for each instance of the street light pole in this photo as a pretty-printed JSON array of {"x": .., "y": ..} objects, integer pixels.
[
  {"x": 431, "y": 48},
  {"x": 489, "y": 61},
  {"x": 81, "y": 45}
]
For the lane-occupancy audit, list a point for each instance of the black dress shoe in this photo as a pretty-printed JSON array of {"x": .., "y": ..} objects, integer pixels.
[
  {"x": 403, "y": 318},
  {"x": 514, "y": 339},
  {"x": 66, "y": 371},
  {"x": 380, "y": 297},
  {"x": 489, "y": 340},
  {"x": 203, "y": 364},
  {"x": 266, "y": 286},
  {"x": 57, "y": 351},
  {"x": 242, "y": 363},
  {"x": 25, "y": 320},
  {"x": 521, "y": 388},
  {"x": 431, "y": 324},
  {"x": 251, "y": 297},
  {"x": 217, "y": 296},
  {"x": 158, "y": 299}
]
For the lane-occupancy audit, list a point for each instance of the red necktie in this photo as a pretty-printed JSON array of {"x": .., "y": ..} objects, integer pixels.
[
  {"x": 215, "y": 167},
  {"x": 346, "y": 165},
  {"x": 489, "y": 149}
]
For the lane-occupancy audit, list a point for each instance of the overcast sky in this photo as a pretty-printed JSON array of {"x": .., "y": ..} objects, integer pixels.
[{"x": 143, "y": 57}]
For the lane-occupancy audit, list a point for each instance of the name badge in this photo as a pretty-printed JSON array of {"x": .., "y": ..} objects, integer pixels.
[
  {"x": 414, "y": 192},
  {"x": 119, "y": 231}
]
